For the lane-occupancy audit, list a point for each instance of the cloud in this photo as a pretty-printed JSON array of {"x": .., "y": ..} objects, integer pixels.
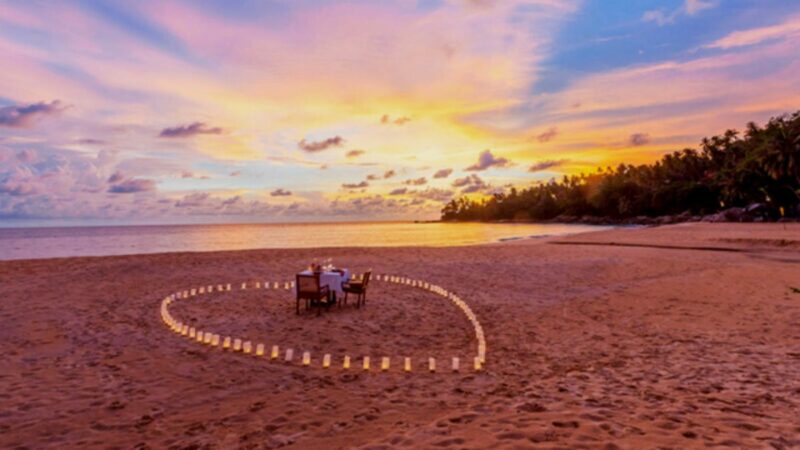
[
  {"x": 26, "y": 156},
  {"x": 354, "y": 153},
  {"x": 469, "y": 180},
  {"x": 317, "y": 146},
  {"x": 280, "y": 193},
  {"x": 755, "y": 36},
  {"x": 389, "y": 174},
  {"x": 693, "y": 7},
  {"x": 192, "y": 129},
  {"x": 442, "y": 173},
  {"x": 193, "y": 200},
  {"x": 360, "y": 185},
  {"x": 546, "y": 164},
  {"x": 434, "y": 194},
  {"x": 416, "y": 181},
  {"x": 90, "y": 141},
  {"x": 487, "y": 160},
  {"x": 688, "y": 8},
  {"x": 21, "y": 116},
  {"x": 472, "y": 188},
  {"x": 639, "y": 139},
  {"x": 190, "y": 174},
  {"x": 399, "y": 191},
  {"x": 386, "y": 120},
  {"x": 548, "y": 135},
  {"x": 132, "y": 185},
  {"x": 116, "y": 177}
]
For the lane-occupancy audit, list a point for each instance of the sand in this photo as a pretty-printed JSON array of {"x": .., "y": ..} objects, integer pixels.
[{"x": 604, "y": 340}]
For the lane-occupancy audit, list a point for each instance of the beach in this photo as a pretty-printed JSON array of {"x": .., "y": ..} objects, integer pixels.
[{"x": 681, "y": 336}]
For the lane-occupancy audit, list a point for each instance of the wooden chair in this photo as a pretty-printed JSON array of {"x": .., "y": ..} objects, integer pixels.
[
  {"x": 358, "y": 288},
  {"x": 308, "y": 288}
]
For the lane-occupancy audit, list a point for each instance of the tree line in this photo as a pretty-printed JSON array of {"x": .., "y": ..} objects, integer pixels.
[{"x": 759, "y": 168}]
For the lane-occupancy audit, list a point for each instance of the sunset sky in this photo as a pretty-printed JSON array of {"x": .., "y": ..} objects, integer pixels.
[{"x": 221, "y": 111}]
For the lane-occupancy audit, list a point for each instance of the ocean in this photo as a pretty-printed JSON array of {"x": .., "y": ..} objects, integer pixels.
[{"x": 56, "y": 242}]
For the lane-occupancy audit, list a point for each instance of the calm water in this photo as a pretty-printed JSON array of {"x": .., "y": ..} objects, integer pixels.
[{"x": 26, "y": 243}]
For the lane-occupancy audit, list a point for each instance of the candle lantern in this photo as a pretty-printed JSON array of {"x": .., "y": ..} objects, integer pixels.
[
  {"x": 366, "y": 363},
  {"x": 306, "y": 358},
  {"x": 227, "y": 342},
  {"x": 289, "y": 354},
  {"x": 260, "y": 350},
  {"x": 274, "y": 353},
  {"x": 407, "y": 364},
  {"x": 237, "y": 345},
  {"x": 247, "y": 347},
  {"x": 326, "y": 361},
  {"x": 432, "y": 364},
  {"x": 346, "y": 362},
  {"x": 455, "y": 364},
  {"x": 385, "y": 363}
]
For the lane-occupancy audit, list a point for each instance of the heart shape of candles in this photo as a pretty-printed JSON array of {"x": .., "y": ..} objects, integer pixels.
[{"x": 237, "y": 345}]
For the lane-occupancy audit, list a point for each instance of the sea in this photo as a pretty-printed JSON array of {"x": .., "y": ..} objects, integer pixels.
[{"x": 57, "y": 242}]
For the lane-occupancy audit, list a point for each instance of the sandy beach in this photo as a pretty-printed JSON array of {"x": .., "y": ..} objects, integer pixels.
[{"x": 683, "y": 336}]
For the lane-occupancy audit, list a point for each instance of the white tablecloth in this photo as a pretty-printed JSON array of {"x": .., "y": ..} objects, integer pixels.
[{"x": 333, "y": 280}]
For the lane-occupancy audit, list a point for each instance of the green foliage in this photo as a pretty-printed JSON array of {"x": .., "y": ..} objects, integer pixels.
[{"x": 732, "y": 170}]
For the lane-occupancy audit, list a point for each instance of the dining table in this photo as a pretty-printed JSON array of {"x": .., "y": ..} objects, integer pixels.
[{"x": 333, "y": 279}]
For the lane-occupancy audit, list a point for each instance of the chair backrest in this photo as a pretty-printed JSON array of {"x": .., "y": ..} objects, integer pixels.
[
  {"x": 367, "y": 275},
  {"x": 307, "y": 284}
]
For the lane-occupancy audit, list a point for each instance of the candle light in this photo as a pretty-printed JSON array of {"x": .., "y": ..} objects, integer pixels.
[
  {"x": 199, "y": 336},
  {"x": 237, "y": 345},
  {"x": 455, "y": 364},
  {"x": 194, "y": 292},
  {"x": 275, "y": 351},
  {"x": 407, "y": 364},
  {"x": 219, "y": 287},
  {"x": 202, "y": 290},
  {"x": 247, "y": 347},
  {"x": 191, "y": 332},
  {"x": 432, "y": 364},
  {"x": 228, "y": 287},
  {"x": 306, "y": 358},
  {"x": 207, "y": 338},
  {"x": 260, "y": 350},
  {"x": 286, "y": 286},
  {"x": 326, "y": 361},
  {"x": 244, "y": 286},
  {"x": 215, "y": 340},
  {"x": 210, "y": 289},
  {"x": 185, "y": 330},
  {"x": 227, "y": 342},
  {"x": 289, "y": 354},
  {"x": 477, "y": 363},
  {"x": 366, "y": 363},
  {"x": 258, "y": 285},
  {"x": 385, "y": 363},
  {"x": 346, "y": 362}
]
